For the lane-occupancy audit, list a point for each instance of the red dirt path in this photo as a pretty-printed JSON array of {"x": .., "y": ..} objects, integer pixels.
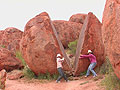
[{"x": 88, "y": 83}]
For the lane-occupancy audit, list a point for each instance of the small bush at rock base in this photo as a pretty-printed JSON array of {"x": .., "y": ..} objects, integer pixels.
[
  {"x": 19, "y": 56},
  {"x": 111, "y": 81},
  {"x": 72, "y": 47}
]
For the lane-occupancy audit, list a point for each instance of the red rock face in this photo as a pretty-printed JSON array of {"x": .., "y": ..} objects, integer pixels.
[
  {"x": 78, "y": 18},
  {"x": 92, "y": 40},
  {"x": 39, "y": 45},
  {"x": 67, "y": 31},
  {"x": 3, "y": 75},
  {"x": 8, "y": 60},
  {"x": 1, "y": 35},
  {"x": 10, "y": 39},
  {"x": 111, "y": 33}
]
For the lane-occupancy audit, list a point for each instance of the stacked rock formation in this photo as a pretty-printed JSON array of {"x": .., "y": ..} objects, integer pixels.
[{"x": 41, "y": 41}]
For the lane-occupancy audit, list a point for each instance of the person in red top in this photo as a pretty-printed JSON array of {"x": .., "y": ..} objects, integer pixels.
[{"x": 93, "y": 63}]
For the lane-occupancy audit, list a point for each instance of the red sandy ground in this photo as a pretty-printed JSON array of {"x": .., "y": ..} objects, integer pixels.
[{"x": 88, "y": 83}]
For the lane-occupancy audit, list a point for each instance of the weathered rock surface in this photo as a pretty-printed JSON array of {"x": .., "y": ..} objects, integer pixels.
[
  {"x": 67, "y": 31},
  {"x": 92, "y": 40},
  {"x": 39, "y": 45},
  {"x": 78, "y": 18},
  {"x": 15, "y": 74},
  {"x": 1, "y": 35},
  {"x": 8, "y": 60},
  {"x": 3, "y": 75},
  {"x": 10, "y": 39},
  {"x": 111, "y": 33}
]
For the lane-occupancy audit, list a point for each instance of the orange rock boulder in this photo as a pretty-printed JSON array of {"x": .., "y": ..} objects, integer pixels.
[
  {"x": 111, "y": 33},
  {"x": 10, "y": 39},
  {"x": 15, "y": 74},
  {"x": 39, "y": 45},
  {"x": 67, "y": 31},
  {"x": 8, "y": 60},
  {"x": 78, "y": 18}
]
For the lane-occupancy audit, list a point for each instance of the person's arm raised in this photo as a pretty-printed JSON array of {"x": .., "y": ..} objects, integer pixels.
[{"x": 86, "y": 56}]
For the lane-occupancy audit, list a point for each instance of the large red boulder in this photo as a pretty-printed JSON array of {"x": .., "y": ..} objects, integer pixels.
[
  {"x": 78, "y": 18},
  {"x": 8, "y": 60},
  {"x": 91, "y": 39},
  {"x": 67, "y": 31},
  {"x": 39, "y": 45},
  {"x": 10, "y": 39},
  {"x": 111, "y": 33}
]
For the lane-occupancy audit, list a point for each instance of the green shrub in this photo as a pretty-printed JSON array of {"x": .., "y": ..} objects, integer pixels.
[
  {"x": 3, "y": 46},
  {"x": 84, "y": 83},
  {"x": 28, "y": 73},
  {"x": 72, "y": 47},
  {"x": 47, "y": 76},
  {"x": 111, "y": 81},
  {"x": 55, "y": 76},
  {"x": 19, "y": 56},
  {"x": 41, "y": 76},
  {"x": 44, "y": 76},
  {"x": 83, "y": 73},
  {"x": 106, "y": 67}
]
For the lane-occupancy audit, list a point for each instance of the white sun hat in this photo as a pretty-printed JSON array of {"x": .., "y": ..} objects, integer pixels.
[
  {"x": 89, "y": 51},
  {"x": 58, "y": 55}
]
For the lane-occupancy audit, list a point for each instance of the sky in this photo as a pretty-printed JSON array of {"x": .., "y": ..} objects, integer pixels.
[{"x": 16, "y": 13}]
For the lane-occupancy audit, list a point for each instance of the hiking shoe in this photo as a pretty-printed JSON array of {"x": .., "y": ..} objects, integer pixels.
[
  {"x": 57, "y": 81},
  {"x": 95, "y": 76},
  {"x": 86, "y": 76},
  {"x": 67, "y": 81}
]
